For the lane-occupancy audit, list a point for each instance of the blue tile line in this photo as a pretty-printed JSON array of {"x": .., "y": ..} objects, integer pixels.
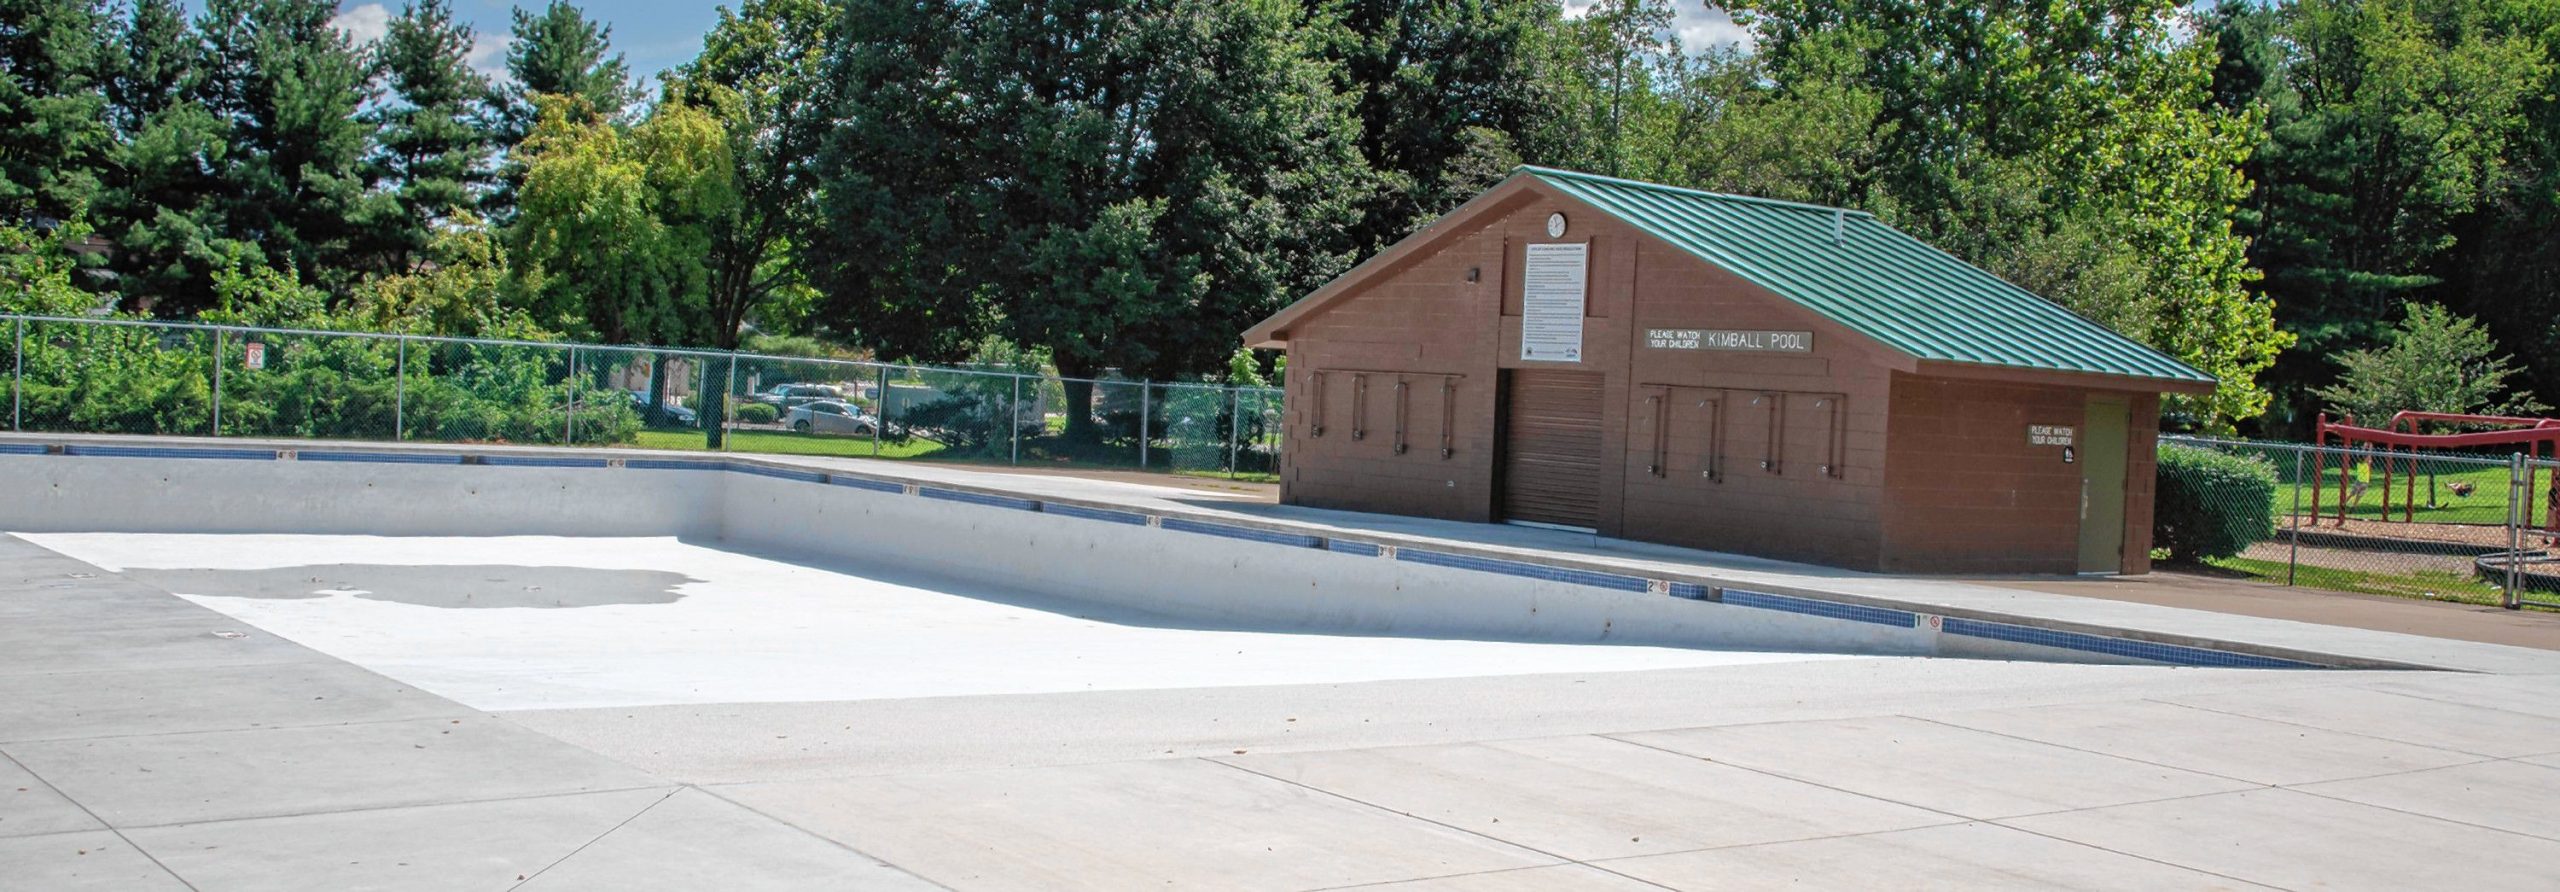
[
  {"x": 22, "y": 449},
  {"x": 1524, "y": 569},
  {"x": 868, "y": 483},
  {"x": 1882, "y": 616},
  {"x": 780, "y": 473},
  {"x": 674, "y": 464},
  {"x": 169, "y": 452},
  {"x": 1127, "y": 517},
  {"x": 1300, "y": 540},
  {"x": 2174, "y": 654},
  {"x": 1689, "y": 590},
  {"x": 977, "y": 498},
  {"x": 530, "y": 461},
  {"x": 388, "y": 458},
  {"x": 1362, "y": 549}
]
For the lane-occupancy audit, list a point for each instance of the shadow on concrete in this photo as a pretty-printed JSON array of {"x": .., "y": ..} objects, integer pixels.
[
  {"x": 1500, "y": 535},
  {"x": 447, "y": 586}
]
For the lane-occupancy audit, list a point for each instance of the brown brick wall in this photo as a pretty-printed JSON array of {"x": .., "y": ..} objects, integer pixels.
[
  {"x": 1967, "y": 494},
  {"x": 1934, "y": 475}
]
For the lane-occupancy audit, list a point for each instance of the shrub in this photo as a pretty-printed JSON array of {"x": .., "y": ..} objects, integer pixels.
[
  {"x": 2211, "y": 504},
  {"x": 757, "y": 413}
]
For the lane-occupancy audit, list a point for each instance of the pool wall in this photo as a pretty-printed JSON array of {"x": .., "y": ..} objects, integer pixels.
[{"x": 1204, "y": 569}]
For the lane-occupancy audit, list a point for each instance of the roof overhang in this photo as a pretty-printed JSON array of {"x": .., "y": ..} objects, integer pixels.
[
  {"x": 1273, "y": 333},
  {"x": 1939, "y": 368}
]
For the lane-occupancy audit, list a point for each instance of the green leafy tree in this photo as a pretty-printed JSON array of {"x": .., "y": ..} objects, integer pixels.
[
  {"x": 557, "y": 52},
  {"x": 1125, "y": 185},
  {"x": 611, "y": 235},
  {"x": 2074, "y": 146},
  {"x": 434, "y": 146},
  {"x": 1450, "y": 95},
  {"x": 761, "y": 78},
  {"x": 2435, "y": 361},
  {"x": 2388, "y": 121},
  {"x": 53, "y": 131},
  {"x": 37, "y": 270}
]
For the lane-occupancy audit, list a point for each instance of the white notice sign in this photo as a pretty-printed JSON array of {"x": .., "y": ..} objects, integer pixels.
[{"x": 1552, "y": 286}]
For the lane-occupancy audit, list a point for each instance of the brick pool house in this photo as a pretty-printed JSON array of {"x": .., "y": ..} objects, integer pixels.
[{"x": 1721, "y": 372}]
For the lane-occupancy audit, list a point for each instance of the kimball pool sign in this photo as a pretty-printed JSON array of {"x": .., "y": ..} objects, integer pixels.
[{"x": 1729, "y": 339}]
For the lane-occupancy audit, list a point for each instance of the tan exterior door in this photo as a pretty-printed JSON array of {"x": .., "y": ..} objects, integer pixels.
[
  {"x": 2102, "y": 466},
  {"x": 1551, "y": 447}
]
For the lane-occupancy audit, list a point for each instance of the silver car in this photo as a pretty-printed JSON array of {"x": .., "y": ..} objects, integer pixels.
[{"x": 831, "y": 417}]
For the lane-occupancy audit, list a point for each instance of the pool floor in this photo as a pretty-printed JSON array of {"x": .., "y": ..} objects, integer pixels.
[{"x": 535, "y": 622}]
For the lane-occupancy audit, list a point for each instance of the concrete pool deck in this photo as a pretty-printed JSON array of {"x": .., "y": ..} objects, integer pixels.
[
  {"x": 156, "y": 743},
  {"x": 350, "y": 718}
]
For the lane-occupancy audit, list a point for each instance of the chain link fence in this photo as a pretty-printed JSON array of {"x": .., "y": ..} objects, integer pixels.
[
  {"x": 142, "y": 377},
  {"x": 2437, "y": 526}
]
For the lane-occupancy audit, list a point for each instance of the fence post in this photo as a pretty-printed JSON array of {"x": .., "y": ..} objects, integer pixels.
[
  {"x": 218, "y": 344},
  {"x": 1146, "y": 405},
  {"x": 569, "y": 429},
  {"x": 880, "y": 424},
  {"x": 2519, "y": 507},
  {"x": 728, "y": 432},
  {"x": 1013, "y": 421},
  {"x": 400, "y": 392},
  {"x": 18, "y": 375},
  {"x": 2293, "y": 554},
  {"x": 1235, "y": 428}
]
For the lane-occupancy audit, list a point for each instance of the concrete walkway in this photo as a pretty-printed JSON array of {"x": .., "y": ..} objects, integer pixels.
[{"x": 154, "y": 744}]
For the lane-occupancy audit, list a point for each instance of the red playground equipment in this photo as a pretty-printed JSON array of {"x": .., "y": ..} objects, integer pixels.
[{"x": 2400, "y": 442}]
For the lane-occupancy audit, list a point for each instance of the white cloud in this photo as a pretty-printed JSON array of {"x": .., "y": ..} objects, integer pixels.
[
  {"x": 364, "y": 23},
  {"x": 489, "y": 55},
  {"x": 1700, "y": 25}
]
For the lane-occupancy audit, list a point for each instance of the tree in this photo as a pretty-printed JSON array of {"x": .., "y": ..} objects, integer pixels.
[
  {"x": 2388, "y": 121},
  {"x": 1622, "y": 45},
  {"x": 610, "y": 238},
  {"x": 2075, "y": 145},
  {"x": 52, "y": 115},
  {"x": 1450, "y": 96},
  {"x": 1126, "y": 185},
  {"x": 761, "y": 76},
  {"x": 433, "y": 146},
  {"x": 167, "y": 186},
  {"x": 291, "y": 88},
  {"x": 2435, "y": 361},
  {"x": 558, "y": 52}
]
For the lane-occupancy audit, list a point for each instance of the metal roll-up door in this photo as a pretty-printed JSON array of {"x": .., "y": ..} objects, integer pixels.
[{"x": 1551, "y": 448}]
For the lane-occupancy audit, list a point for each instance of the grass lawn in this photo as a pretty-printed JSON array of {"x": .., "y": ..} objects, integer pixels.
[
  {"x": 2437, "y": 502},
  {"x": 788, "y": 443},
  {"x": 2437, "y": 585}
]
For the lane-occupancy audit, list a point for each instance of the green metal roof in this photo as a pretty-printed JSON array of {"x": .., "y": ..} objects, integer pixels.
[{"x": 1875, "y": 280}]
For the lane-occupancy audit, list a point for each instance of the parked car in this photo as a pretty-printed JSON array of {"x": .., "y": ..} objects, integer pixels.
[
  {"x": 831, "y": 417},
  {"x": 785, "y": 396},
  {"x": 674, "y": 414}
]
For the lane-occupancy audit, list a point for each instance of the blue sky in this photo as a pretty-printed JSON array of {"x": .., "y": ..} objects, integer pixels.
[{"x": 656, "y": 35}]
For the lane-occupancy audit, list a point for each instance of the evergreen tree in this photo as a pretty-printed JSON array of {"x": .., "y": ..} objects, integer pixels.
[
  {"x": 434, "y": 147},
  {"x": 166, "y": 189},
  {"x": 292, "y": 89},
  {"x": 2388, "y": 122},
  {"x": 53, "y": 131},
  {"x": 557, "y": 52}
]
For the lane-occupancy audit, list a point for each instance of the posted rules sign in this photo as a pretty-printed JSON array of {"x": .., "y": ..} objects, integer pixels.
[{"x": 1552, "y": 287}]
